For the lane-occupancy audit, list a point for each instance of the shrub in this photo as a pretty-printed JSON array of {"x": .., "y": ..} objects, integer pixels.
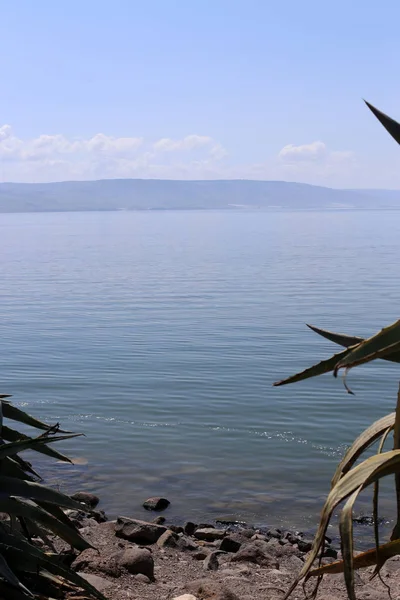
[
  {"x": 35, "y": 511},
  {"x": 350, "y": 479}
]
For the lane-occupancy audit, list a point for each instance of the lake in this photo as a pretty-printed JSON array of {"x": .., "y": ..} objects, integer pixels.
[{"x": 159, "y": 334}]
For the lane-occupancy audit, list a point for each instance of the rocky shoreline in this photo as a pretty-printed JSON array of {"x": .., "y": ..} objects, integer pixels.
[{"x": 221, "y": 560}]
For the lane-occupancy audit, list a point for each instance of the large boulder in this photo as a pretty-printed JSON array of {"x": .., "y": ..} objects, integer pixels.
[
  {"x": 90, "y": 560},
  {"x": 137, "y": 531},
  {"x": 136, "y": 560},
  {"x": 256, "y": 552}
]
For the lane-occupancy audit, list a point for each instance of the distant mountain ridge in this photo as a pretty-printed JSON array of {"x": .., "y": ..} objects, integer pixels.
[{"x": 157, "y": 194}]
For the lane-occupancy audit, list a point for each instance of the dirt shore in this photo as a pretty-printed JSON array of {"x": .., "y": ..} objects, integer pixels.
[{"x": 153, "y": 560}]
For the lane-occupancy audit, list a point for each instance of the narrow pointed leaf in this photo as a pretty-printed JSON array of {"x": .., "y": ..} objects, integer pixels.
[
  {"x": 7, "y": 574},
  {"x": 50, "y": 563},
  {"x": 361, "y": 561},
  {"x": 12, "y": 412},
  {"x": 10, "y": 468},
  {"x": 368, "y": 437},
  {"x": 377, "y": 346},
  {"x": 364, "y": 474},
  {"x": 346, "y": 535},
  {"x": 11, "y": 435},
  {"x": 26, "y": 466},
  {"x": 350, "y": 340},
  {"x": 396, "y": 445},
  {"x": 12, "y": 506},
  {"x": 338, "y": 338},
  {"x": 32, "y": 443},
  {"x": 37, "y": 492},
  {"x": 389, "y": 124},
  {"x": 325, "y": 366},
  {"x": 58, "y": 513}
]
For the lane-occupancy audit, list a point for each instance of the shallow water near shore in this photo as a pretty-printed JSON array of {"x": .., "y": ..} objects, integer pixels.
[{"x": 159, "y": 335}]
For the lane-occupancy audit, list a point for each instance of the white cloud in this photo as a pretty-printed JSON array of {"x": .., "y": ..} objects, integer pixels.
[
  {"x": 314, "y": 151},
  {"x": 188, "y": 143},
  {"x": 57, "y": 157}
]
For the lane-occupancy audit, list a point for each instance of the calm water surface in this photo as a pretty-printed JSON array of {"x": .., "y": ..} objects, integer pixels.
[{"x": 159, "y": 335}]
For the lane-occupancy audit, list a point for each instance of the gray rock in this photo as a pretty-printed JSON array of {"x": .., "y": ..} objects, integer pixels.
[
  {"x": 209, "y": 534},
  {"x": 304, "y": 545},
  {"x": 156, "y": 503},
  {"x": 211, "y": 562},
  {"x": 185, "y": 543},
  {"x": 91, "y": 560},
  {"x": 259, "y": 536},
  {"x": 230, "y": 520},
  {"x": 189, "y": 528},
  {"x": 275, "y": 533},
  {"x": 137, "y": 531},
  {"x": 176, "y": 528},
  {"x": 258, "y": 553},
  {"x": 97, "y": 582},
  {"x": 137, "y": 560},
  {"x": 86, "y": 498},
  {"x": 167, "y": 540},
  {"x": 228, "y": 544},
  {"x": 142, "y": 578},
  {"x": 207, "y": 589},
  {"x": 248, "y": 533},
  {"x": 159, "y": 520},
  {"x": 329, "y": 552}
]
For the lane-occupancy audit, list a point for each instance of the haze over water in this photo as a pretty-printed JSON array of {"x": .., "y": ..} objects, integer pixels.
[{"x": 159, "y": 335}]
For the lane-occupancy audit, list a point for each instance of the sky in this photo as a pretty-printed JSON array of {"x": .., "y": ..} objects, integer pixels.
[{"x": 199, "y": 89}]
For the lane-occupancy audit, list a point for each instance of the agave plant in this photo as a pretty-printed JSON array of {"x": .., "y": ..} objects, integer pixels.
[
  {"x": 35, "y": 511},
  {"x": 350, "y": 479}
]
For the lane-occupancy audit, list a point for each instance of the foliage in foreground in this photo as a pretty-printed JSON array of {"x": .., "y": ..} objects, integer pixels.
[
  {"x": 350, "y": 479},
  {"x": 35, "y": 511}
]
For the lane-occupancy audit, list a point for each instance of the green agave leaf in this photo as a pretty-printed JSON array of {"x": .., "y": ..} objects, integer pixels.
[
  {"x": 25, "y": 466},
  {"x": 389, "y": 124},
  {"x": 377, "y": 346},
  {"x": 58, "y": 513},
  {"x": 8, "y": 592},
  {"x": 338, "y": 338},
  {"x": 7, "y": 574},
  {"x": 11, "y": 435},
  {"x": 349, "y": 340},
  {"x": 324, "y": 366},
  {"x": 361, "y": 561},
  {"x": 32, "y": 443},
  {"x": 48, "y": 562},
  {"x": 12, "y": 412},
  {"x": 346, "y": 535},
  {"x": 366, "y": 439},
  {"x": 362, "y": 475},
  {"x": 10, "y": 468},
  {"x": 35, "y": 491},
  {"x": 19, "y": 508}
]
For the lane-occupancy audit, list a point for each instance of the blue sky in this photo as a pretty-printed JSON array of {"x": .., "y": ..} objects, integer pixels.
[{"x": 194, "y": 89}]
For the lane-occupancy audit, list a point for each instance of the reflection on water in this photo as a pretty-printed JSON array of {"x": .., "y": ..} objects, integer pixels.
[{"x": 159, "y": 335}]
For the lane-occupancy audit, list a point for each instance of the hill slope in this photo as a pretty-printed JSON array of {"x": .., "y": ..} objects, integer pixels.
[{"x": 147, "y": 194}]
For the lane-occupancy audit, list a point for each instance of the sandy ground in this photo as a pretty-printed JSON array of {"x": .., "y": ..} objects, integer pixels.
[{"x": 177, "y": 572}]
